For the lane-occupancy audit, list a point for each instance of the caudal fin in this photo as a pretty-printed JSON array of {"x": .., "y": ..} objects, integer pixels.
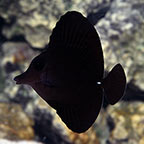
[{"x": 114, "y": 84}]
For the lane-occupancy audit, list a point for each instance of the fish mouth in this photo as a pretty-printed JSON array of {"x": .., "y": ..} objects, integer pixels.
[
  {"x": 25, "y": 78},
  {"x": 17, "y": 80},
  {"x": 45, "y": 83},
  {"x": 21, "y": 79}
]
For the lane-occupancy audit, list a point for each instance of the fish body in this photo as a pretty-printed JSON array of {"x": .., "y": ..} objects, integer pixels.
[{"x": 69, "y": 74}]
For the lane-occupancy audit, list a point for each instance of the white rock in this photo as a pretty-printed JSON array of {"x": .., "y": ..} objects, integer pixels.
[{"x": 3, "y": 141}]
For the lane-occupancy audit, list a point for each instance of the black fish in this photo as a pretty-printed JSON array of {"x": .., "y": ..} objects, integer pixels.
[{"x": 69, "y": 74}]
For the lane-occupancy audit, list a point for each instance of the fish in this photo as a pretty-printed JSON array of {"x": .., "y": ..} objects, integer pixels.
[{"x": 68, "y": 75}]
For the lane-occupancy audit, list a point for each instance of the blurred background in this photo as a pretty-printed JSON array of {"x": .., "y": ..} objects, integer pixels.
[{"x": 25, "y": 27}]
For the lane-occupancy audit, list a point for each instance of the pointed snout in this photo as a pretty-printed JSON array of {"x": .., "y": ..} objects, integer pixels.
[
  {"x": 21, "y": 79},
  {"x": 28, "y": 77}
]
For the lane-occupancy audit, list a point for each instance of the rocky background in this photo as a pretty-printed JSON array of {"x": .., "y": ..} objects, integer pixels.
[{"x": 25, "y": 27}]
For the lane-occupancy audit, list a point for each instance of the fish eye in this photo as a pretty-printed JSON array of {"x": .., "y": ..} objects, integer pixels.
[{"x": 39, "y": 64}]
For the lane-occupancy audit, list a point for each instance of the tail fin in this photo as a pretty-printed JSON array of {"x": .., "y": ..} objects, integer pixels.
[{"x": 114, "y": 84}]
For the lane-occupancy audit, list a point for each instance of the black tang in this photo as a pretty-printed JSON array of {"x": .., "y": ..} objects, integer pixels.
[{"x": 69, "y": 74}]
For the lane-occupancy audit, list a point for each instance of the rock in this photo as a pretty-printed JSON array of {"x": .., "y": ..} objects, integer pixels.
[
  {"x": 36, "y": 19},
  {"x": 128, "y": 122},
  {"x": 121, "y": 32},
  {"x": 4, "y": 141},
  {"x": 120, "y": 124},
  {"x": 46, "y": 130},
  {"x": 96, "y": 10},
  {"x": 33, "y": 19},
  {"x": 14, "y": 123},
  {"x": 101, "y": 127},
  {"x": 133, "y": 93},
  {"x": 50, "y": 128},
  {"x": 9, "y": 67},
  {"x": 15, "y": 58},
  {"x": 17, "y": 52},
  {"x": 88, "y": 137}
]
